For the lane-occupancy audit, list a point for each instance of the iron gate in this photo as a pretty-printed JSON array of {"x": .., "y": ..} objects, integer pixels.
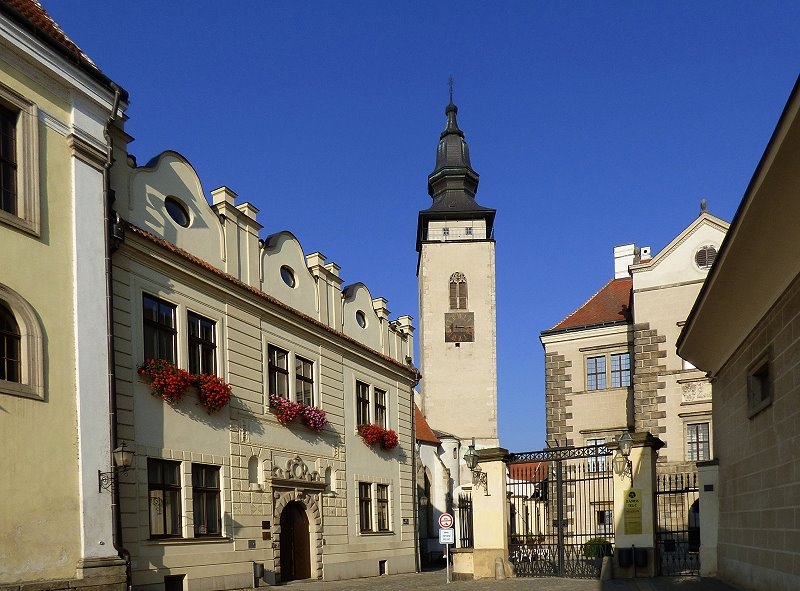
[
  {"x": 465, "y": 535},
  {"x": 561, "y": 511},
  {"x": 677, "y": 504}
]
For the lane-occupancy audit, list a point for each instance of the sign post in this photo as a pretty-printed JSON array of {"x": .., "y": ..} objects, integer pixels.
[{"x": 447, "y": 536}]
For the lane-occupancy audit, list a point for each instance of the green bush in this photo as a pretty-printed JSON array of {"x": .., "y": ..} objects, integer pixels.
[{"x": 597, "y": 547}]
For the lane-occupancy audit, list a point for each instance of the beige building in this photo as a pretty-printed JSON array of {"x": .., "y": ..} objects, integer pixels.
[
  {"x": 215, "y": 495},
  {"x": 743, "y": 331},
  {"x": 55, "y": 109},
  {"x": 611, "y": 365}
]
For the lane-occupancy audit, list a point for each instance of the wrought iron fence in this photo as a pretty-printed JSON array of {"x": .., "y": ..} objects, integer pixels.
[
  {"x": 561, "y": 510},
  {"x": 678, "y": 524}
]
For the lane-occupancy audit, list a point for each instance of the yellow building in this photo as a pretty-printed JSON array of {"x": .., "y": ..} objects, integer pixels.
[{"x": 55, "y": 433}]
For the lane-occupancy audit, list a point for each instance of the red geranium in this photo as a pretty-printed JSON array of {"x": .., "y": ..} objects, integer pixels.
[
  {"x": 213, "y": 391},
  {"x": 167, "y": 381},
  {"x": 286, "y": 410},
  {"x": 375, "y": 434}
]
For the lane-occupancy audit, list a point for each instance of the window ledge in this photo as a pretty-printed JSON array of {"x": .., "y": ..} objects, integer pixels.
[
  {"x": 22, "y": 390},
  {"x": 187, "y": 541},
  {"x": 373, "y": 534}
]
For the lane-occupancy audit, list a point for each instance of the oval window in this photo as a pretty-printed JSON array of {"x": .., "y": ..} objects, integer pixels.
[
  {"x": 177, "y": 211},
  {"x": 287, "y": 275},
  {"x": 361, "y": 319}
]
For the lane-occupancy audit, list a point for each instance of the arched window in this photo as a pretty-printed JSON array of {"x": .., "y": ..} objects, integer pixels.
[
  {"x": 21, "y": 366},
  {"x": 458, "y": 291},
  {"x": 9, "y": 346}
]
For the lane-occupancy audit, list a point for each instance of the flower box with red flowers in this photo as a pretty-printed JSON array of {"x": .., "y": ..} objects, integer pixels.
[
  {"x": 169, "y": 382},
  {"x": 287, "y": 411},
  {"x": 375, "y": 434}
]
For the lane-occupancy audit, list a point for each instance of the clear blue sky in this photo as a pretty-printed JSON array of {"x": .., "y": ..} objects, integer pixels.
[{"x": 592, "y": 124}]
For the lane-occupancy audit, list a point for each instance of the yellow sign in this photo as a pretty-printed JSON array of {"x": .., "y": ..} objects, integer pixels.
[{"x": 632, "y": 512}]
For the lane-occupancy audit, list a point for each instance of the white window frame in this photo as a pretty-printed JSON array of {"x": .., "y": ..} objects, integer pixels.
[
  {"x": 372, "y": 403},
  {"x": 291, "y": 360},
  {"x": 374, "y": 483},
  {"x": 27, "y": 218}
]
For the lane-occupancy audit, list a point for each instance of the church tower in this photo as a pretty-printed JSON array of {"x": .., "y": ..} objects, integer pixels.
[{"x": 456, "y": 278}]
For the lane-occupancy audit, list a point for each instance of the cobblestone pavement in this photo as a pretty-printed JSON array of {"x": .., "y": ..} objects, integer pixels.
[{"x": 429, "y": 580}]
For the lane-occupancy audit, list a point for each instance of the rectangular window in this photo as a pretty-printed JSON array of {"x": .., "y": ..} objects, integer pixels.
[
  {"x": 596, "y": 463},
  {"x": 205, "y": 496},
  {"x": 164, "y": 486},
  {"x": 159, "y": 330},
  {"x": 596, "y": 373},
  {"x": 382, "y": 501},
  {"x": 19, "y": 162},
  {"x": 380, "y": 408},
  {"x": 698, "y": 443},
  {"x": 458, "y": 294},
  {"x": 365, "y": 506},
  {"x": 605, "y": 521},
  {"x": 8, "y": 160},
  {"x": 202, "y": 344},
  {"x": 304, "y": 380},
  {"x": 362, "y": 403},
  {"x": 759, "y": 385},
  {"x": 278, "y": 370},
  {"x": 621, "y": 370}
]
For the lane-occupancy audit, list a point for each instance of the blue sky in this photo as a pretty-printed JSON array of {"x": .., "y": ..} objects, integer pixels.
[{"x": 591, "y": 125}]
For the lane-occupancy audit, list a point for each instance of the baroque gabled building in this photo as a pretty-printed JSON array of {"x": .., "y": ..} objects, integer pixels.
[
  {"x": 307, "y": 472},
  {"x": 611, "y": 365},
  {"x": 56, "y": 110}
]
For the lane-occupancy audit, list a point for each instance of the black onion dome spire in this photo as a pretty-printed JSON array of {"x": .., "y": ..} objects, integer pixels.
[
  {"x": 452, "y": 159},
  {"x": 453, "y": 183}
]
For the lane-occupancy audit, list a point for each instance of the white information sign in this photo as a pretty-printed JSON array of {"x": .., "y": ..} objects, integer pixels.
[{"x": 447, "y": 536}]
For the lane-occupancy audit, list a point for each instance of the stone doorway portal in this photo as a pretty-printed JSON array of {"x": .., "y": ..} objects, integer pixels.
[{"x": 295, "y": 543}]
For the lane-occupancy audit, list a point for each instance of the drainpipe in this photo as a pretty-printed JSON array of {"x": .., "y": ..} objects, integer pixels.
[{"x": 110, "y": 219}]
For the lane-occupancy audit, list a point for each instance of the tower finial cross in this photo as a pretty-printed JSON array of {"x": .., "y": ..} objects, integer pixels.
[{"x": 450, "y": 84}]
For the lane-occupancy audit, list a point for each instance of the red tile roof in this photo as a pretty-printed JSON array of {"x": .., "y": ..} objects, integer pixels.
[
  {"x": 32, "y": 16},
  {"x": 609, "y": 305},
  {"x": 528, "y": 471},
  {"x": 422, "y": 429}
]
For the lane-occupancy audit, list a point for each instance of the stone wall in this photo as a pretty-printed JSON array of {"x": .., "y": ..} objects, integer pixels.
[
  {"x": 648, "y": 401},
  {"x": 759, "y": 483},
  {"x": 557, "y": 385}
]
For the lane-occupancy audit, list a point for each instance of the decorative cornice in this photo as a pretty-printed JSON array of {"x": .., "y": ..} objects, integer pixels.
[{"x": 86, "y": 150}]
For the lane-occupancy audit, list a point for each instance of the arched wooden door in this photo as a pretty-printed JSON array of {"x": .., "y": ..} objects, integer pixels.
[{"x": 295, "y": 543}]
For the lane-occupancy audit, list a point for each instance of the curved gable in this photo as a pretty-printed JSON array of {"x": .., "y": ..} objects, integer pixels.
[
  {"x": 357, "y": 301},
  {"x": 170, "y": 176},
  {"x": 282, "y": 258}
]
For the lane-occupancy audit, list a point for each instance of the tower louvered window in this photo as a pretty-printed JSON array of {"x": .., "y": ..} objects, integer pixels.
[{"x": 458, "y": 291}]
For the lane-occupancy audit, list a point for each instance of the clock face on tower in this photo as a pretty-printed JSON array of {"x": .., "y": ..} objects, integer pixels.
[{"x": 459, "y": 327}]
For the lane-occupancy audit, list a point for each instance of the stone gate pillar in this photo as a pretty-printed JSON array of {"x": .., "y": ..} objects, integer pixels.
[
  {"x": 634, "y": 511},
  {"x": 490, "y": 516},
  {"x": 708, "y": 474}
]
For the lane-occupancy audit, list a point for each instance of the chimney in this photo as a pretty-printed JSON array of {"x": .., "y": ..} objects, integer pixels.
[{"x": 623, "y": 258}]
